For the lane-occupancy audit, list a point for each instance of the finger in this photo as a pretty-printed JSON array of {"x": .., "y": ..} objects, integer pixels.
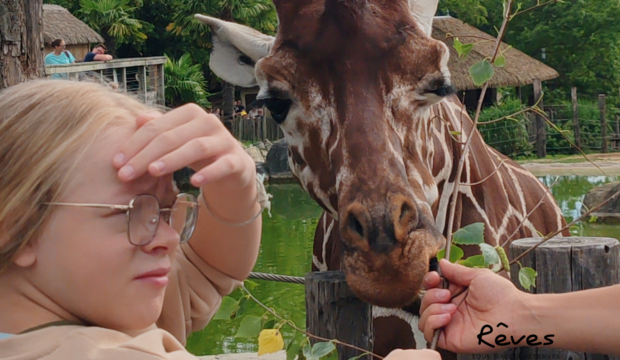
[
  {"x": 144, "y": 118},
  {"x": 204, "y": 150},
  {"x": 435, "y": 296},
  {"x": 163, "y": 144},
  {"x": 433, "y": 310},
  {"x": 435, "y": 322},
  {"x": 431, "y": 280},
  {"x": 428, "y": 354},
  {"x": 154, "y": 128},
  {"x": 458, "y": 274},
  {"x": 222, "y": 167}
]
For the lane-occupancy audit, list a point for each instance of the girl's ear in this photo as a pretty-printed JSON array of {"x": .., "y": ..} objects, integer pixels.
[{"x": 26, "y": 257}]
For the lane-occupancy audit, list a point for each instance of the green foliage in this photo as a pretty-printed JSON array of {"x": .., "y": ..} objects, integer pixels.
[
  {"x": 579, "y": 37},
  {"x": 250, "y": 327},
  {"x": 491, "y": 256},
  {"x": 481, "y": 72},
  {"x": 510, "y": 136},
  {"x": 471, "y": 234},
  {"x": 470, "y": 11},
  {"x": 114, "y": 20},
  {"x": 185, "y": 82}
]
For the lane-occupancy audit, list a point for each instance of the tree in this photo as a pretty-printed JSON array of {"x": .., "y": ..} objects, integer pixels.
[
  {"x": 185, "y": 82},
  {"x": 579, "y": 38},
  {"x": 114, "y": 20},
  {"x": 21, "y": 41}
]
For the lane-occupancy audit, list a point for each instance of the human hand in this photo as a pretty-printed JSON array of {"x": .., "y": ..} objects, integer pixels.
[
  {"x": 488, "y": 300},
  {"x": 424, "y": 354},
  {"x": 185, "y": 136}
]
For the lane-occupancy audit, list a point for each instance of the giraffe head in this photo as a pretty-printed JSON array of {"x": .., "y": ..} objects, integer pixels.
[{"x": 351, "y": 83}]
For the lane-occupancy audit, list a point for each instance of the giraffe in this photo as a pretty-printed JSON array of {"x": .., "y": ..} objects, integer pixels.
[{"x": 363, "y": 96}]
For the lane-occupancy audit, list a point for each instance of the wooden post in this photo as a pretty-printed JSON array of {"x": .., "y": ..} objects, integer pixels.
[
  {"x": 541, "y": 127},
  {"x": 573, "y": 93},
  {"x": 617, "y": 132},
  {"x": 566, "y": 265},
  {"x": 125, "y": 80},
  {"x": 334, "y": 312},
  {"x": 602, "y": 110}
]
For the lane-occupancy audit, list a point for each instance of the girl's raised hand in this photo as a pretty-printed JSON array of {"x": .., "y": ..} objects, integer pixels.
[{"x": 185, "y": 137}]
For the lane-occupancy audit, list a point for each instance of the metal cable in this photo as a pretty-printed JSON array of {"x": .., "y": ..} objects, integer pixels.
[{"x": 279, "y": 278}]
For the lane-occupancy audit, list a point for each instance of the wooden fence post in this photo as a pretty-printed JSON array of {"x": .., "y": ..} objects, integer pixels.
[
  {"x": 573, "y": 93},
  {"x": 541, "y": 127},
  {"x": 602, "y": 110},
  {"x": 566, "y": 265},
  {"x": 334, "y": 312}
]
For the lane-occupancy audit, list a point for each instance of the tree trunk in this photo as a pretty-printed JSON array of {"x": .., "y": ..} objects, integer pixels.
[
  {"x": 21, "y": 41},
  {"x": 228, "y": 98}
]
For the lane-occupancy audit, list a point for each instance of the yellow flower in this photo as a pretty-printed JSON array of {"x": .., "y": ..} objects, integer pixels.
[{"x": 270, "y": 341}]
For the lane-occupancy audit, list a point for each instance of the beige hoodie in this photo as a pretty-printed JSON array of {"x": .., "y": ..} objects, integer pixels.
[{"x": 193, "y": 295}]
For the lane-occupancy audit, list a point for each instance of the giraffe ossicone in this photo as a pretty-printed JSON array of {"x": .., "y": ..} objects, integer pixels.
[{"x": 364, "y": 98}]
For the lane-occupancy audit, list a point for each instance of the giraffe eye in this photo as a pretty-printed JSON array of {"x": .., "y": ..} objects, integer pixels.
[{"x": 278, "y": 108}]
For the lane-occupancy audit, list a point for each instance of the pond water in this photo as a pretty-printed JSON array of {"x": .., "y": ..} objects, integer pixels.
[{"x": 287, "y": 249}]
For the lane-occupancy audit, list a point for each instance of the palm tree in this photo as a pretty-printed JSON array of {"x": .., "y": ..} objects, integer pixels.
[
  {"x": 185, "y": 82},
  {"x": 114, "y": 20}
]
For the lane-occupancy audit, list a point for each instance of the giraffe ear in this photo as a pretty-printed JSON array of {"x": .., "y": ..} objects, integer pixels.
[
  {"x": 236, "y": 48},
  {"x": 423, "y": 11}
]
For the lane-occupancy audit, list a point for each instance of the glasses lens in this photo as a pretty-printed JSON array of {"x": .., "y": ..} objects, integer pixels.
[
  {"x": 184, "y": 216},
  {"x": 143, "y": 219}
]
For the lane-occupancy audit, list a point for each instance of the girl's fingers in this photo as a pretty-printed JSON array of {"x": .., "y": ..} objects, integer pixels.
[
  {"x": 144, "y": 118},
  {"x": 154, "y": 128},
  {"x": 434, "y": 296},
  {"x": 200, "y": 151},
  {"x": 434, "y": 310},
  {"x": 435, "y": 322},
  {"x": 219, "y": 169},
  {"x": 166, "y": 143},
  {"x": 431, "y": 280}
]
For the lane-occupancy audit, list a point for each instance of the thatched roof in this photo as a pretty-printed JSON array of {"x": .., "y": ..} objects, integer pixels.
[
  {"x": 58, "y": 23},
  {"x": 520, "y": 68}
]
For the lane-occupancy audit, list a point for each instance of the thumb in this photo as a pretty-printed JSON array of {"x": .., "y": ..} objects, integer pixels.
[{"x": 458, "y": 274}]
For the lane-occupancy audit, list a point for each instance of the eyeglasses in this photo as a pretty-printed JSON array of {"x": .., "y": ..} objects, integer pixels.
[{"x": 144, "y": 213}]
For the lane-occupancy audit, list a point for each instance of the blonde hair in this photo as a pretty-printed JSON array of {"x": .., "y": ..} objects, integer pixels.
[{"x": 45, "y": 128}]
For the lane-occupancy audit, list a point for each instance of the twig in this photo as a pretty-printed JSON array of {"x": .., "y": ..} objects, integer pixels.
[
  {"x": 292, "y": 324},
  {"x": 565, "y": 227},
  {"x": 542, "y": 200},
  {"x": 531, "y": 108},
  {"x": 534, "y": 7},
  {"x": 489, "y": 176},
  {"x": 548, "y": 121},
  {"x": 463, "y": 158}
]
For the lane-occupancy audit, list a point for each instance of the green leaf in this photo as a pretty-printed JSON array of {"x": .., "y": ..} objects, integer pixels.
[
  {"x": 307, "y": 352},
  {"x": 229, "y": 305},
  {"x": 294, "y": 346},
  {"x": 500, "y": 61},
  {"x": 490, "y": 254},
  {"x": 270, "y": 324},
  {"x": 249, "y": 328},
  {"x": 250, "y": 285},
  {"x": 456, "y": 254},
  {"x": 321, "y": 349},
  {"x": 455, "y": 133},
  {"x": 503, "y": 257},
  {"x": 476, "y": 261},
  {"x": 481, "y": 72},
  {"x": 471, "y": 234},
  {"x": 462, "y": 49},
  {"x": 527, "y": 277}
]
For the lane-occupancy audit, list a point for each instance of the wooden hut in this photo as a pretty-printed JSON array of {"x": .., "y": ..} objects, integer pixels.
[
  {"x": 59, "y": 23},
  {"x": 520, "y": 68}
]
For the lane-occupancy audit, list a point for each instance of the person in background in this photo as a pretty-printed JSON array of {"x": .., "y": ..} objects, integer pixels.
[
  {"x": 60, "y": 56},
  {"x": 98, "y": 54},
  {"x": 238, "y": 109},
  {"x": 217, "y": 112}
]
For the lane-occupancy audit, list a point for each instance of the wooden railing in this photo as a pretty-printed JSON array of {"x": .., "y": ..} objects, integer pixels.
[{"x": 143, "y": 77}]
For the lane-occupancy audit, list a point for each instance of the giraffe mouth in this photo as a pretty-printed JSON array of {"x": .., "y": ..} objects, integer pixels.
[{"x": 433, "y": 264}]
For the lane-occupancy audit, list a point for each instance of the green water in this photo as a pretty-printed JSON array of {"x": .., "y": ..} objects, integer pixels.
[{"x": 287, "y": 249}]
